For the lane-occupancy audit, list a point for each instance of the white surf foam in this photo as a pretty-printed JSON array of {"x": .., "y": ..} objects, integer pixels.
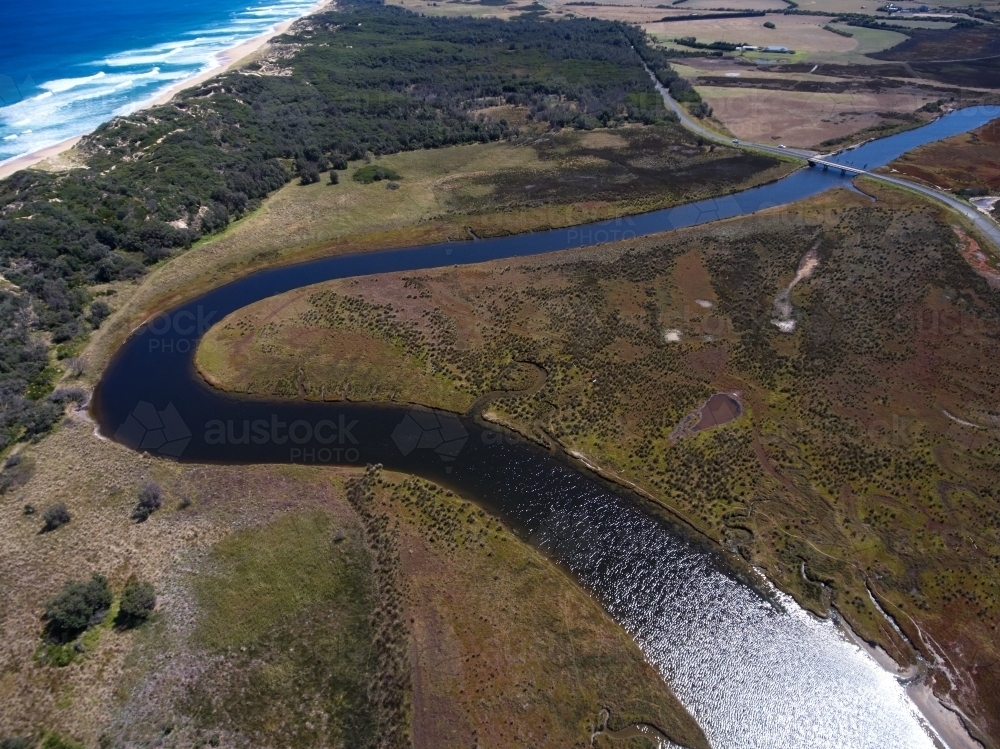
[{"x": 123, "y": 82}]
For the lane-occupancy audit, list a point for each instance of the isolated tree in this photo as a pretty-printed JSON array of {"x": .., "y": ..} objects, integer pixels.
[
  {"x": 334, "y": 177},
  {"x": 74, "y": 607},
  {"x": 137, "y": 604},
  {"x": 54, "y": 516},
  {"x": 99, "y": 312},
  {"x": 150, "y": 500}
]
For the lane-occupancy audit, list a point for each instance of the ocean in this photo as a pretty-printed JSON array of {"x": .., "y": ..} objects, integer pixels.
[{"x": 66, "y": 66}]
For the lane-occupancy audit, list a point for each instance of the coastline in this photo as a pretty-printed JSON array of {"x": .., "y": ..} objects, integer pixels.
[{"x": 224, "y": 61}]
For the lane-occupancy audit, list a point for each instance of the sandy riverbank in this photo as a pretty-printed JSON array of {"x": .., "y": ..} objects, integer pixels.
[
  {"x": 949, "y": 732},
  {"x": 224, "y": 61}
]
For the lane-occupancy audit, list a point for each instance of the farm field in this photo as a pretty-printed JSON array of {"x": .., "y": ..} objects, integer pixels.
[
  {"x": 869, "y": 450},
  {"x": 799, "y": 33},
  {"x": 867, "y": 41},
  {"x": 804, "y": 119},
  {"x": 869, "y": 8},
  {"x": 472, "y": 9},
  {"x": 641, "y": 14},
  {"x": 690, "y": 5}
]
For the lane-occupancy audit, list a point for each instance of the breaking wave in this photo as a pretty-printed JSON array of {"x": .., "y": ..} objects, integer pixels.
[{"x": 44, "y": 114}]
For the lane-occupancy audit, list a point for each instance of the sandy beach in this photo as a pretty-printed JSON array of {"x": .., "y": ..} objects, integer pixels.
[{"x": 225, "y": 60}]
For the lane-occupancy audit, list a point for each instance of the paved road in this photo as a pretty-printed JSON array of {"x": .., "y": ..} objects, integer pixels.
[
  {"x": 696, "y": 127},
  {"x": 984, "y": 225}
]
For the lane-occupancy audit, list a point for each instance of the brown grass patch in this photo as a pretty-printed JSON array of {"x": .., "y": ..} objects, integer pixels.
[
  {"x": 691, "y": 5},
  {"x": 970, "y": 160},
  {"x": 505, "y": 653},
  {"x": 799, "y": 33},
  {"x": 804, "y": 119}
]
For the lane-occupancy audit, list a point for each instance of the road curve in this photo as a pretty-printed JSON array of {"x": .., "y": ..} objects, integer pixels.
[{"x": 986, "y": 227}]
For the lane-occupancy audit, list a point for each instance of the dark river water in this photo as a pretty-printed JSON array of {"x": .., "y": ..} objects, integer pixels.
[{"x": 754, "y": 669}]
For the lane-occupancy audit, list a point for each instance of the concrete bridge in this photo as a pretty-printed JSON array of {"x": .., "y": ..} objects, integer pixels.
[
  {"x": 986, "y": 227},
  {"x": 844, "y": 170}
]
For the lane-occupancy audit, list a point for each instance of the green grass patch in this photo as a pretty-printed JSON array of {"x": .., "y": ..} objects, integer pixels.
[
  {"x": 55, "y": 741},
  {"x": 292, "y": 604},
  {"x": 265, "y": 576}
]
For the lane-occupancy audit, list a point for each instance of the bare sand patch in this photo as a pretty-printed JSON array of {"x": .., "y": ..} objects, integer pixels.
[
  {"x": 719, "y": 409},
  {"x": 977, "y": 259}
]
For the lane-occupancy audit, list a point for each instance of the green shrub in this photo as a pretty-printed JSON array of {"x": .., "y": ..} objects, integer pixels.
[
  {"x": 16, "y": 742},
  {"x": 16, "y": 472},
  {"x": 137, "y": 604},
  {"x": 99, "y": 312},
  {"x": 75, "y": 607},
  {"x": 55, "y": 741},
  {"x": 334, "y": 178},
  {"x": 54, "y": 516},
  {"x": 769, "y": 25},
  {"x": 58, "y": 656},
  {"x": 150, "y": 500},
  {"x": 308, "y": 173},
  {"x": 374, "y": 173}
]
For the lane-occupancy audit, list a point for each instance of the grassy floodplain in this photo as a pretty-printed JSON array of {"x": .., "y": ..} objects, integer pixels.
[
  {"x": 545, "y": 180},
  {"x": 969, "y": 162},
  {"x": 865, "y": 464}
]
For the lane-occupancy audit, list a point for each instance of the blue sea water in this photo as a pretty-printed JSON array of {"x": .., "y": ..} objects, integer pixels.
[{"x": 66, "y": 66}]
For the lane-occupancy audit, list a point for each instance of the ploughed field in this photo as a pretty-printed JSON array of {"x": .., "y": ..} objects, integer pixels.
[{"x": 863, "y": 466}]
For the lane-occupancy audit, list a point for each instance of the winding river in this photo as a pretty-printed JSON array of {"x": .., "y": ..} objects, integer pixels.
[{"x": 753, "y": 668}]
